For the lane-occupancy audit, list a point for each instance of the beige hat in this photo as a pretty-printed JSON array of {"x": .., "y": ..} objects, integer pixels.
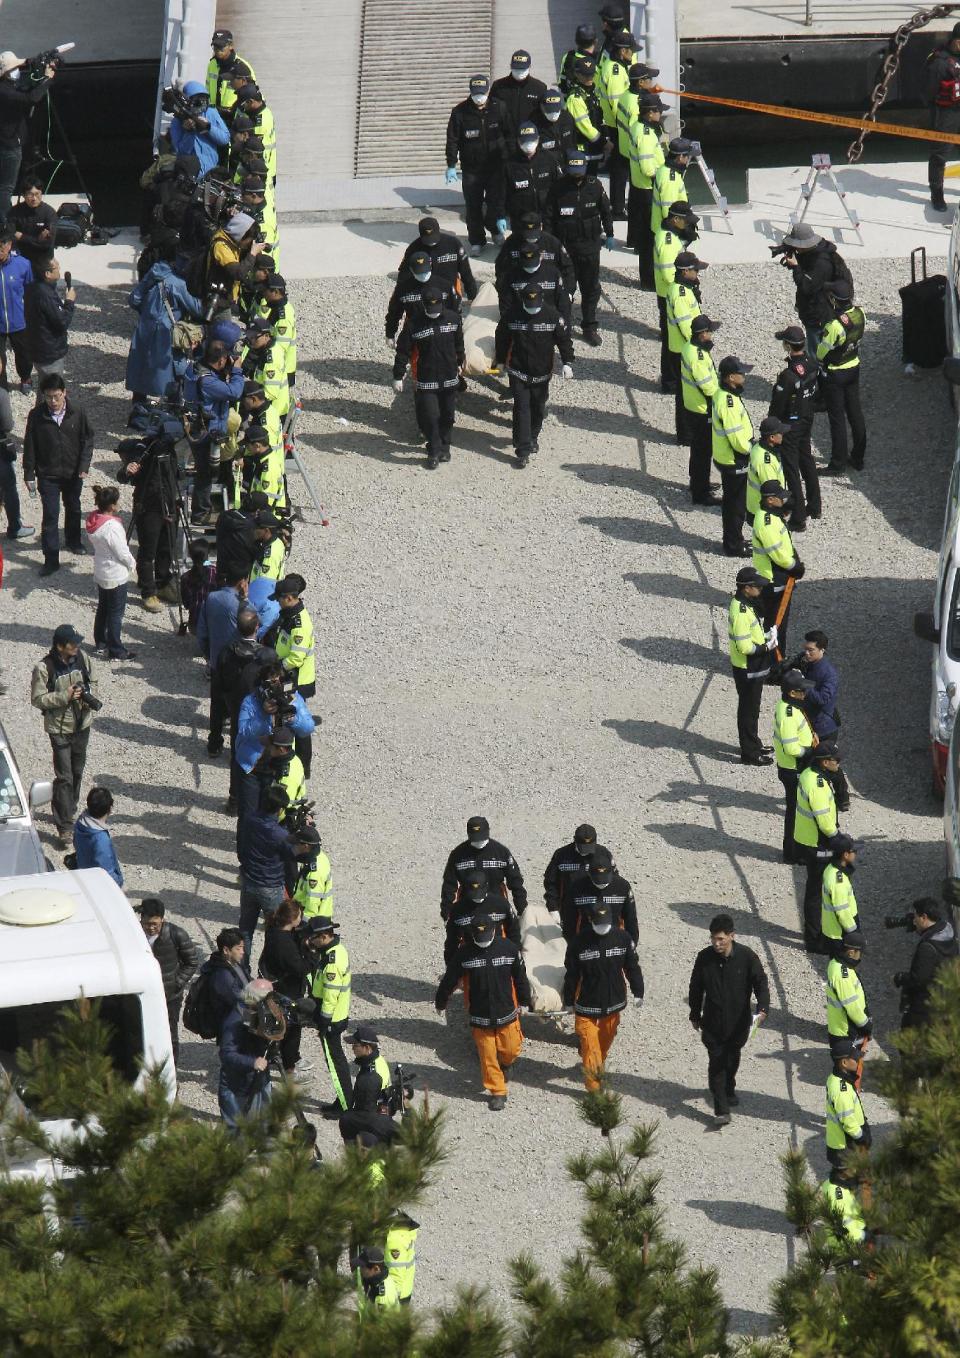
[{"x": 9, "y": 61}]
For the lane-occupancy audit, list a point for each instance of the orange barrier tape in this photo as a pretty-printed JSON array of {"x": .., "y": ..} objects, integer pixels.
[{"x": 805, "y": 115}]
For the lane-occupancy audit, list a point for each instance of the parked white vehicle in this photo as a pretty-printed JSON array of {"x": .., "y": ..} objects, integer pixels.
[
  {"x": 64, "y": 935},
  {"x": 21, "y": 851},
  {"x": 942, "y": 628}
]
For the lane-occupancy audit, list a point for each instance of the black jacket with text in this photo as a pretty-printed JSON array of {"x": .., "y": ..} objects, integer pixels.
[
  {"x": 494, "y": 982},
  {"x": 599, "y": 969}
]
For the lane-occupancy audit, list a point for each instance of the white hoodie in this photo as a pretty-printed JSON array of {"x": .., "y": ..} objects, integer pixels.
[{"x": 112, "y": 560}]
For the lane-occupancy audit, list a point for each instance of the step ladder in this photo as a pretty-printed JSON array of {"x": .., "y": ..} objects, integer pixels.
[{"x": 821, "y": 167}]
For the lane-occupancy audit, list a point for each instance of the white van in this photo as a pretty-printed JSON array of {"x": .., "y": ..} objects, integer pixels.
[
  {"x": 64, "y": 935},
  {"x": 942, "y": 628}
]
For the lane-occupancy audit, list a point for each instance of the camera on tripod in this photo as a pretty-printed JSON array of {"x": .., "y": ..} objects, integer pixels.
[
  {"x": 298, "y": 816},
  {"x": 398, "y": 1093}
]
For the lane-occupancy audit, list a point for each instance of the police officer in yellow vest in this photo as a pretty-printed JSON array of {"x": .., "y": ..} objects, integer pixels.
[
  {"x": 292, "y": 637},
  {"x": 838, "y": 904},
  {"x": 611, "y": 81},
  {"x": 847, "y": 1012},
  {"x": 263, "y": 467},
  {"x": 275, "y": 306},
  {"x": 732, "y": 439},
  {"x": 815, "y": 831},
  {"x": 264, "y": 360},
  {"x": 400, "y": 1244},
  {"x": 286, "y": 769},
  {"x": 313, "y": 891},
  {"x": 677, "y": 233},
  {"x": 847, "y": 1126},
  {"x": 840, "y": 1195},
  {"x": 645, "y": 136},
  {"x": 584, "y": 108},
  {"x": 775, "y": 557},
  {"x": 271, "y": 555},
  {"x": 668, "y": 183},
  {"x": 330, "y": 986},
  {"x": 370, "y": 1118},
  {"x": 220, "y": 72},
  {"x": 750, "y": 650},
  {"x": 793, "y": 736},
  {"x": 251, "y": 102},
  {"x": 256, "y": 409},
  {"x": 839, "y": 352},
  {"x": 699, "y": 384},
  {"x": 765, "y": 464},
  {"x": 682, "y": 305},
  {"x": 253, "y": 196},
  {"x": 377, "y": 1291}
]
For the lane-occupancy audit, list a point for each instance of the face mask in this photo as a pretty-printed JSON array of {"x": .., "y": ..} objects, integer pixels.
[
  {"x": 478, "y": 843},
  {"x": 484, "y": 942},
  {"x": 602, "y": 884},
  {"x": 705, "y": 344},
  {"x": 583, "y": 849},
  {"x": 552, "y": 117},
  {"x": 849, "y": 962},
  {"x": 849, "y": 869},
  {"x": 479, "y": 99},
  {"x": 531, "y": 265},
  {"x": 520, "y": 75},
  {"x": 423, "y": 277},
  {"x": 529, "y": 147},
  {"x": 434, "y": 315},
  {"x": 477, "y": 895},
  {"x": 14, "y": 75},
  {"x": 531, "y": 310},
  {"x": 602, "y": 928}
]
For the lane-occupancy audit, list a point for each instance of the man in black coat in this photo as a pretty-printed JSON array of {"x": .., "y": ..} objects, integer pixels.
[
  {"x": 475, "y": 137},
  {"x": 176, "y": 955},
  {"x": 519, "y": 92},
  {"x": 567, "y": 863},
  {"x": 448, "y": 258},
  {"x": 369, "y": 1119},
  {"x": 478, "y": 850},
  {"x": 942, "y": 95},
  {"x": 814, "y": 262},
  {"x": 938, "y": 944},
  {"x": 57, "y": 448},
  {"x": 581, "y": 217},
  {"x": 431, "y": 344},
  {"x": 526, "y": 338},
  {"x": 229, "y": 974},
  {"x": 725, "y": 975},
  {"x": 48, "y": 317},
  {"x": 599, "y": 883}
]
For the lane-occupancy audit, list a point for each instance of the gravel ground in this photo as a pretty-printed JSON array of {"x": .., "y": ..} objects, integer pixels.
[{"x": 546, "y": 647}]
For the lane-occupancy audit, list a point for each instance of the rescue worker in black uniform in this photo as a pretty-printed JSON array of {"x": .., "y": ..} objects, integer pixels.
[
  {"x": 792, "y": 401},
  {"x": 599, "y": 883},
  {"x": 581, "y": 217},
  {"x": 476, "y": 136},
  {"x": 525, "y": 340},
  {"x": 529, "y": 176},
  {"x": 478, "y": 850},
  {"x": 408, "y": 293},
  {"x": 531, "y": 267},
  {"x": 568, "y": 862},
  {"x": 480, "y": 895},
  {"x": 600, "y": 963},
  {"x": 447, "y": 255},
  {"x": 519, "y": 92},
  {"x": 554, "y": 126},
  {"x": 431, "y": 343},
  {"x": 551, "y": 251},
  {"x": 943, "y": 97}
]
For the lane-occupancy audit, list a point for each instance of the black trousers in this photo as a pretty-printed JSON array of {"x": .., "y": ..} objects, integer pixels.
[
  {"x": 337, "y": 1063},
  {"x": 812, "y": 899},
  {"x": 436, "y": 412},
  {"x": 53, "y": 490},
  {"x": 586, "y": 265},
  {"x": 483, "y": 202},
  {"x": 69, "y": 761},
  {"x": 723, "y": 1062},
  {"x": 733, "y": 511},
  {"x": 700, "y": 440},
  {"x": 529, "y": 404},
  {"x": 639, "y": 235},
  {"x": 371, "y": 1129},
  {"x": 749, "y": 698},
  {"x": 789, "y": 777},
  {"x": 841, "y": 392},
  {"x": 679, "y": 409},
  {"x": 944, "y": 120},
  {"x": 154, "y": 556},
  {"x": 173, "y": 1014},
  {"x": 800, "y": 469},
  {"x": 618, "y": 168},
  {"x": 219, "y": 713},
  {"x": 666, "y": 367},
  {"x": 17, "y": 340}
]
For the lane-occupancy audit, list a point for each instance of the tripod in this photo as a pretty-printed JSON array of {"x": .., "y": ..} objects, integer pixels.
[{"x": 176, "y": 524}]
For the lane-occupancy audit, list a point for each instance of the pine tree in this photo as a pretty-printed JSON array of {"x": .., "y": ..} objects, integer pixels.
[{"x": 898, "y": 1294}]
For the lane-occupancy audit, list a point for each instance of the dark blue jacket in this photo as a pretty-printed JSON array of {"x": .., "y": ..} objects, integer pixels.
[
  {"x": 217, "y": 622},
  {"x": 48, "y": 317},
  {"x": 15, "y": 274},
  {"x": 821, "y": 701},
  {"x": 265, "y": 850},
  {"x": 209, "y": 395},
  {"x": 94, "y": 847},
  {"x": 239, "y": 1048}
]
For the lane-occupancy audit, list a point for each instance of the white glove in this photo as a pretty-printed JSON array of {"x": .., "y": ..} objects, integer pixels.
[
  {"x": 772, "y": 637},
  {"x": 638, "y": 1001},
  {"x": 398, "y": 385},
  {"x": 567, "y": 372},
  {"x": 391, "y": 343}
]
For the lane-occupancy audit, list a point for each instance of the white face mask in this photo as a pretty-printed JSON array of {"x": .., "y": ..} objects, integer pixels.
[
  {"x": 584, "y": 850},
  {"x": 529, "y": 148},
  {"x": 483, "y": 943},
  {"x": 478, "y": 843},
  {"x": 531, "y": 265},
  {"x": 532, "y": 310},
  {"x": 602, "y": 928},
  {"x": 432, "y": 312},
  {"x": 422, "y": 277},
  {"x": 520, "y": 75},
  {"x": 479, "y": 99},
  {"x": 552, "y": 117}
]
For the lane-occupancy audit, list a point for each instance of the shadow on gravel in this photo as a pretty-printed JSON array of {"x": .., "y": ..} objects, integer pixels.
[
  {"x": 676, "y": 651},
  {"x": 658, "y": 735},
  {"x": 687, "y": 591},
  {"x": 170, "y": 710},
  {"x": 651, "y": 534},
  {"x": 700, "y": 913},
  {"x": 399, "y": 431},
  {"x": 705, "y": 839},
  {"x": 712, "y": 794},
  {"x": 373, "y": 986},
  {"x": 742, "y": 1216}
]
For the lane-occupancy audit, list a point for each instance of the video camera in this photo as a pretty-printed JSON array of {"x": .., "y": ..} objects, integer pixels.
[
  {"x": 899, "y": 921},
  {"x": 298, "y": 816},
  {"x": 34, "y": 68},
  {"x": 174, "y": 101},
  {"x": 280, "y": 691},
  {"x": 399, "y": 1092}
]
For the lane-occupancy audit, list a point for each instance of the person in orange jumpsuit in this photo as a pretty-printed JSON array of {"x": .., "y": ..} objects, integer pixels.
[{"x": 601, "y": 963}]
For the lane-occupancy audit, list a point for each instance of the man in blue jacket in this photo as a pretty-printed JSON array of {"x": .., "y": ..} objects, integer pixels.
[
  {"x": 91, "y": 838},
  {"x": 820, "y": 703},
  {"x": 266, "y": 851},
  {"x": 15, "y": 273},
  {"x": 203, "y": 133},
  {"x": 244, "y": 1087},
  {"x": 259, "y": 717},
  {"x": 210, "y": 386}
]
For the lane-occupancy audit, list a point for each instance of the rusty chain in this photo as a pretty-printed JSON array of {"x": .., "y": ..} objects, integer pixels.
[{"x": 889, "y": 69}]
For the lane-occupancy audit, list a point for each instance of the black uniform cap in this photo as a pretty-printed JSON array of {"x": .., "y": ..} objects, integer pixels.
[
  {"x": 531, "y": 248},
  {"x": 520, "y": 61},
  {"x": 793, "y": 334},
  {"x": 681, "y": 208},
  {"x": 527, "y": 131},
  {"x": 364, "y": 1033},
  {"x": 432, "y": 294},
  {"x": 615, "y": 11},
  {"x": 772, "y": 487},
  {"x": 771, "y": 425},
  {"x": 583, "y": 65},
  {"x": 700, "y": 324},
  {"x": 841, "y": 843},
  {"x": 650, "y": 99},
  {"x": 308, "y": 835},
  {"x": 843, "y": 1047},
  {"x": 796, "y": 682},
  {"x": 253, "y": 183},
  {"x": 242, "y": 122},
  {"x": 479, "y": 84},
  {"x": 552, "y": 99},
  {"x": 428, "y": 227},
  {"x": 248, "y": 91},
  {"x": 749, "y": 575},
  {"x": 265, "y": 518},
  {"x": 601, "y": 862},
  {"x": 283, "y": 736},
  {"x": 482, "y": 924},
  {"x": 586, "y": 34},
  {"x": 600, "y": 912},
  {"x": 585, "y": 834},
  {"x": 290, "y": 584},
  {"x": 576, "y": 163},
  {"x": 222, "y": 38},
  {"x": 529, "y": 222},
  {"x": 730, "y": 364},
  {"x": 475, "y": 880},
  {"x": 478, "y": 825},
  {"x": 258, "y": 167},
  {"x": 642, "y": 70},
  {"x": 276, "y": 282},
  {"x": 624, "y": 38},
  {"x": 680, "y": 146},
  {"x": 854, "y": 939},
  {"x": 419, "y": 259},
  {"x": 256, "y": 434},
  {"x": 258, "y": 325},
  {"x": 532, "y": 293},
  {"x": 827, "y": 749},
  {"x": 254, "y": 389},
  {"x": 688, "y": 260}
]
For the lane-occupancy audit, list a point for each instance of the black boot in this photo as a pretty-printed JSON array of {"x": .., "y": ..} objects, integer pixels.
[{"x": 937, "y": 200}]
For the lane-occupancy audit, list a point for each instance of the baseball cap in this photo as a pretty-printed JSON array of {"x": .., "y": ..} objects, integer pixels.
[
  {"x": 477, "y": 825},
  {"x": 701, "y": 323},
  {"x": 527, "y": 131},
  {"x": 67, "y": 635},
  {"x": 680, "y": 146},
  {"x": 772, "y": 487},
  {"x": 255, "y": 433},
  {"x": 283, "y": 736},
  {"x": 420, "y": 260},
  {"x": 771, "y": 425},
  {"x": 750, "y": 576},
  {"x": 290, "y": 584},
  {"x": 222, "y": 38},
  {"x": 585, "y": 834},
  {"x": 428, "y": 227},
  {"x": 551, "y": 99},
  {"x": 532, "y": 293},
  {"x": 432, "y": 294},
  {"x": 257, "y": 325},
  {"x": 795, "y": 682},
  {"x": 576, "y": 163},
  {"x": 479, "y": 84},
  {"x": 792, "y": 334},
  {"x": 520, "y": 61},
  {"x": 254, "y": 389},
  {"x": 730, "y": 364},
  {"x": 688, "y": 260},
  {"x": 584, "y": 66}
]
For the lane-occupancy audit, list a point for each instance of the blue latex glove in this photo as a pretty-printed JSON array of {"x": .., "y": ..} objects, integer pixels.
[
  {"x": 503, "y": 226},
  {"x": 452, "y": 174},
  {"x": 609, "y": 242}
]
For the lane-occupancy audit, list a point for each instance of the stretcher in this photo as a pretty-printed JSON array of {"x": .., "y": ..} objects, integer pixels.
[
  {"x": 544, "y": 950},
  {"x": 480, "y": 318}
]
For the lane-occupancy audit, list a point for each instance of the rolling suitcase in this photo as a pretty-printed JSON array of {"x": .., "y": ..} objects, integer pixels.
[{"x": 924, "y": 318}]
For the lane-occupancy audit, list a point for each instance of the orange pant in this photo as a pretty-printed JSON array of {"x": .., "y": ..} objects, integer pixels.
[
  {"x": 497, "y": 1048},
  {"x": 596, "y": 1038}
]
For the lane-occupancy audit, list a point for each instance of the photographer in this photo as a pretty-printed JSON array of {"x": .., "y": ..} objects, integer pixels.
[
  {"x": 813, "y": 262},
  {"x": 270, "y": 707},
  {"x": 285, "y": 962},
  {"x": 210, "y": 386},
  {"x": 250, "y": 1029},
  {"x": 150, "y": 466},
  {"x": 33, "y": 222},
  {"x": 938, "y": 944},
  {"x": 57, "y": 449},
  {"x": 232, "y": 255},
  {"x": 199, "y": 130},
  {"x": 160, "y": 299},
  {"x": 370, "y": 1116},
  {"x": 18, "y": 98},
  {"x": 64, "y": 688}
]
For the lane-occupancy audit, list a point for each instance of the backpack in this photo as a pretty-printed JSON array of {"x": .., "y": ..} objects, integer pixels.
[
  {"x": 199, "y": 1015},
  {"x": 841, "y": 271}
]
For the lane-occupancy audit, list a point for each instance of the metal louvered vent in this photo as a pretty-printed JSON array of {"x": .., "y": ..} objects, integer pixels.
[{"x": 416, "y": 58}]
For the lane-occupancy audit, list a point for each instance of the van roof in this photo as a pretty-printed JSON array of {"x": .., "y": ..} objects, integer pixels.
[{"x": 100, "y": 950}]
